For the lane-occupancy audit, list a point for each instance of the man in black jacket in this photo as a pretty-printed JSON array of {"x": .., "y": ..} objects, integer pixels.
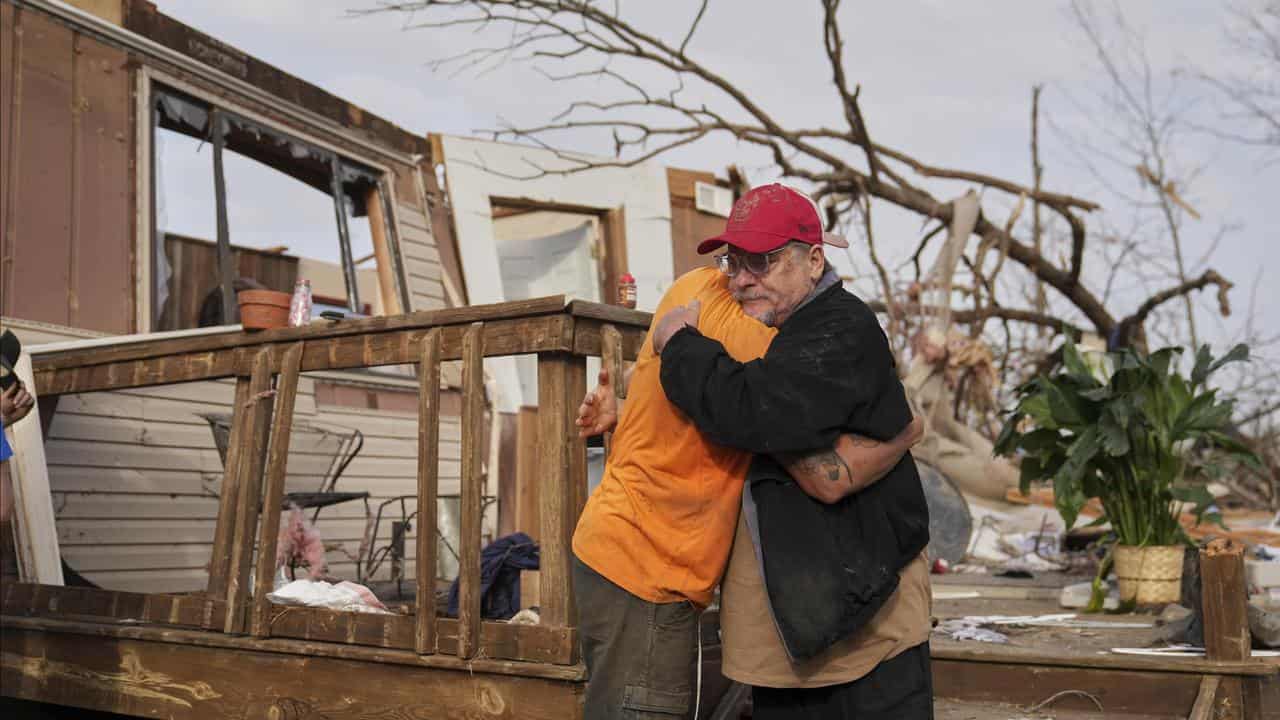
[{"x": 827, "y": 569}]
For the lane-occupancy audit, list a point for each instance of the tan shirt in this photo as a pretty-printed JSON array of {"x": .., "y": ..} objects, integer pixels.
[{"x": 753, "y": 651}]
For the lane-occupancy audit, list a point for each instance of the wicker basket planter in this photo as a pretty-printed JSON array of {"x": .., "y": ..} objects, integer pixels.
[{"x": 1149, "y": 575}]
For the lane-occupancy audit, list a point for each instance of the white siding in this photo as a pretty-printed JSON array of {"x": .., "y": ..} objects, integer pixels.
[{"x": 135, "y": 476}]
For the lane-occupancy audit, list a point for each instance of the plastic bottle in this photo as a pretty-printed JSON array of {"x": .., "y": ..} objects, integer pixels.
[
  {"x": 627, "y": 291},
  {"x": 300, "y": 304}
]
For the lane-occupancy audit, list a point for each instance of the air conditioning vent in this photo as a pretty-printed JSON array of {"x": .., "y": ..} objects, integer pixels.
[{"x": 712, "y": 199}]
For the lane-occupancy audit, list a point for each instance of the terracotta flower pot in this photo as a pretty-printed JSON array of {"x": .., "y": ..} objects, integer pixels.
[
  {"x": 263, "y": 309},
  {"x": 1150, "y": 575}
]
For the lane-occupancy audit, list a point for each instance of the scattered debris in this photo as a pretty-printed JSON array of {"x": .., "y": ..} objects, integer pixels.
[
  {"x": 1182, "y": 650},
  {"x": 346, "y": 596},
  {"x": 1077, "y": 595}
]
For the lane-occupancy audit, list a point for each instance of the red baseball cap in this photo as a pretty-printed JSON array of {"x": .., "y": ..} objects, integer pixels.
[{"x": 769, "y": 216}]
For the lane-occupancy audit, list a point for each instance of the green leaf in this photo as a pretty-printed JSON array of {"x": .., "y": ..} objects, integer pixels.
[
  {"x": 1064, "y": 408},
  {"x": 1097, "y": 394},
  {"x": 1236, "y": 354},
  {"x": 1075, "y": 364},
  {"x": 1030, "y": 471},
  {"x": 1160, "y": 360},
  {"x": 1115, "y": 438},
  {"x": 1201, "y": 369},
  {"x": 1036, "y": 407},
  {"x": 1068, "y": 493},
  {"x": 1008, "y": 438},
  {"x": 1198, "y": 495}
]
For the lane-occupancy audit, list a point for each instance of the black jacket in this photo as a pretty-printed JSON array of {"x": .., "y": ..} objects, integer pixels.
[{"x": 827, "y": 568}]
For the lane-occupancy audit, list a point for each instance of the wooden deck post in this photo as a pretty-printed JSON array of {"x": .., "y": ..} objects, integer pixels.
[
  {"x": 277, "y": 463},
  {"x": 562, "y": 473},
  {"x": 472, "y": 489},
  {"x": 428, "y": 489},
  {"x": 257, "y": 413},
  {"x": 1226, "y": 624},
  {"x": 611, "y": 360},
  {"x": 220, "y": 559}
]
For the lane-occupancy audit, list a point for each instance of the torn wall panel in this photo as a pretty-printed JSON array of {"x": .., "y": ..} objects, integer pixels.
[{"x": 477, "y": 171}]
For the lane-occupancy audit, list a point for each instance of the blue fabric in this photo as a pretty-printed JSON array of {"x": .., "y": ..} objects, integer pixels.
[
  {"x": 500, "y": 565},
  {"x": 5, "y": 451}
]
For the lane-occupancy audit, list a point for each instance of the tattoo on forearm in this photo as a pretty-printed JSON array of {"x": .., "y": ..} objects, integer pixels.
[
  {"x": 827, "y": 463},
  {"x": 864, "y": 442}
]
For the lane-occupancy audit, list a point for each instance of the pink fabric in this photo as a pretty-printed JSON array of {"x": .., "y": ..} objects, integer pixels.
[{"x": 299, "y": 543}]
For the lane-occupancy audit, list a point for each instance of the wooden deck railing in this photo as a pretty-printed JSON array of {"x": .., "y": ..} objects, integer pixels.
[{"x": 561, "y": 333}]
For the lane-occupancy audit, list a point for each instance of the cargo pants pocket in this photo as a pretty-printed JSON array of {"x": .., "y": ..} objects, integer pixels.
[{"x": 664, "y": 689}]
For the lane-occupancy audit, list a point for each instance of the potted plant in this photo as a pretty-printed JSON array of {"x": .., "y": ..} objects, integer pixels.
[{"x": 1132, "y": 431}]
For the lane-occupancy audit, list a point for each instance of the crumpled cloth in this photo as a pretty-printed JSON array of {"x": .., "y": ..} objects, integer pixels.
[
  {"x": 500, "y": 565},
  {"x": 347, "y": 596}
]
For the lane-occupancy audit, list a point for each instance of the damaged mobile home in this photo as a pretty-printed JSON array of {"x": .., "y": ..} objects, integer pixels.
[{"x": 433, "y": 417}]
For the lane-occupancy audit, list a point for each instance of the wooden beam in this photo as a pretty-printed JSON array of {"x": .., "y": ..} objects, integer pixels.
[
  {"x": 220, "y": 557},
  {"x": 498, "y": 640},
  {"x": 382, "y": 253},
  {"x": 587, "y": 341},
  {"x": 277, "y": 464},
  {"x": 1225, "y": 599},
  {"x": 36, "y": 536},
  {"x": 201, "y": 680},
  {"x": 1203, "y": 709},
  {"x": 527, "y": 482},
  {"x": 428, "y": 488},
  {"x": 472, "y": 490},
  {"x": 611, "y": 360},
  {"x": 613, "y": 226},
  {"x": 226, "y": 270},
  {"x": 256, "y": 412},
  {"x": 95, "y": 632},
  {"x": 401, "y": 346},
  {"x": 562, "y": 472},
  {"x": 134, "y": 349}
]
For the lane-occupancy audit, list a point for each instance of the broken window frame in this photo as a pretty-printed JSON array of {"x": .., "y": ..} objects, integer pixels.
[{"x": 344, "y": 173}]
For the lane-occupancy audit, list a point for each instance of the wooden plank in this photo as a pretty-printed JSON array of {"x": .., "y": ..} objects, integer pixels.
[
  {"x": 220, "y": 561},
  {"x": 527, "y": 483},
  {"x": 1000, "y": 655},
  {"x": 256, "y": 413},
  {"x": 36, "y": 537},
  {"x": 10, "y": 39},
  {"x": 563, "y": 475},
  {"x": 382, "y": 253},
  {"x": 102, "y": 269},
  {"x": 49, "y": 601},
  {"x": 1148, "y": 694},
  {"x": 472, "y": 490},
  {"x": 135, "y": 348},
  {"x": 498, "y": 640},
  {"x": 616, "y": 314},
  {"x": 1225, "y": 598},
  {"x": 428, "y": 486},
  {"x": 614, "y": 228},
  {"x": 37, "y": 270},
  {"x": 508, "y": 447},
  {"x": 1203, "y": 709},
  {"x": 611, "y": 361},
  {"x": 502, "y": 337},
  {"x": 587, "y": 341},
  {"x": 186, "y": 675},
  {"x": 273, "y": 496}
]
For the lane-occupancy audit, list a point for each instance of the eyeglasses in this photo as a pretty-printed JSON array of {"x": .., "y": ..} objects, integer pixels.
[{"x": 757, "y": 264}]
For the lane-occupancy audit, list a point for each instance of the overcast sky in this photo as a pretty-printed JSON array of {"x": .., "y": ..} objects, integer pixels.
[{"x": 948, "y": 82}]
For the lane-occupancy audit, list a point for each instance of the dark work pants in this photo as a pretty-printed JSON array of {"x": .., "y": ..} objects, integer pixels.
[
  {"x": 639, "y": 654},
  {"x": 900, "y": 688}
]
